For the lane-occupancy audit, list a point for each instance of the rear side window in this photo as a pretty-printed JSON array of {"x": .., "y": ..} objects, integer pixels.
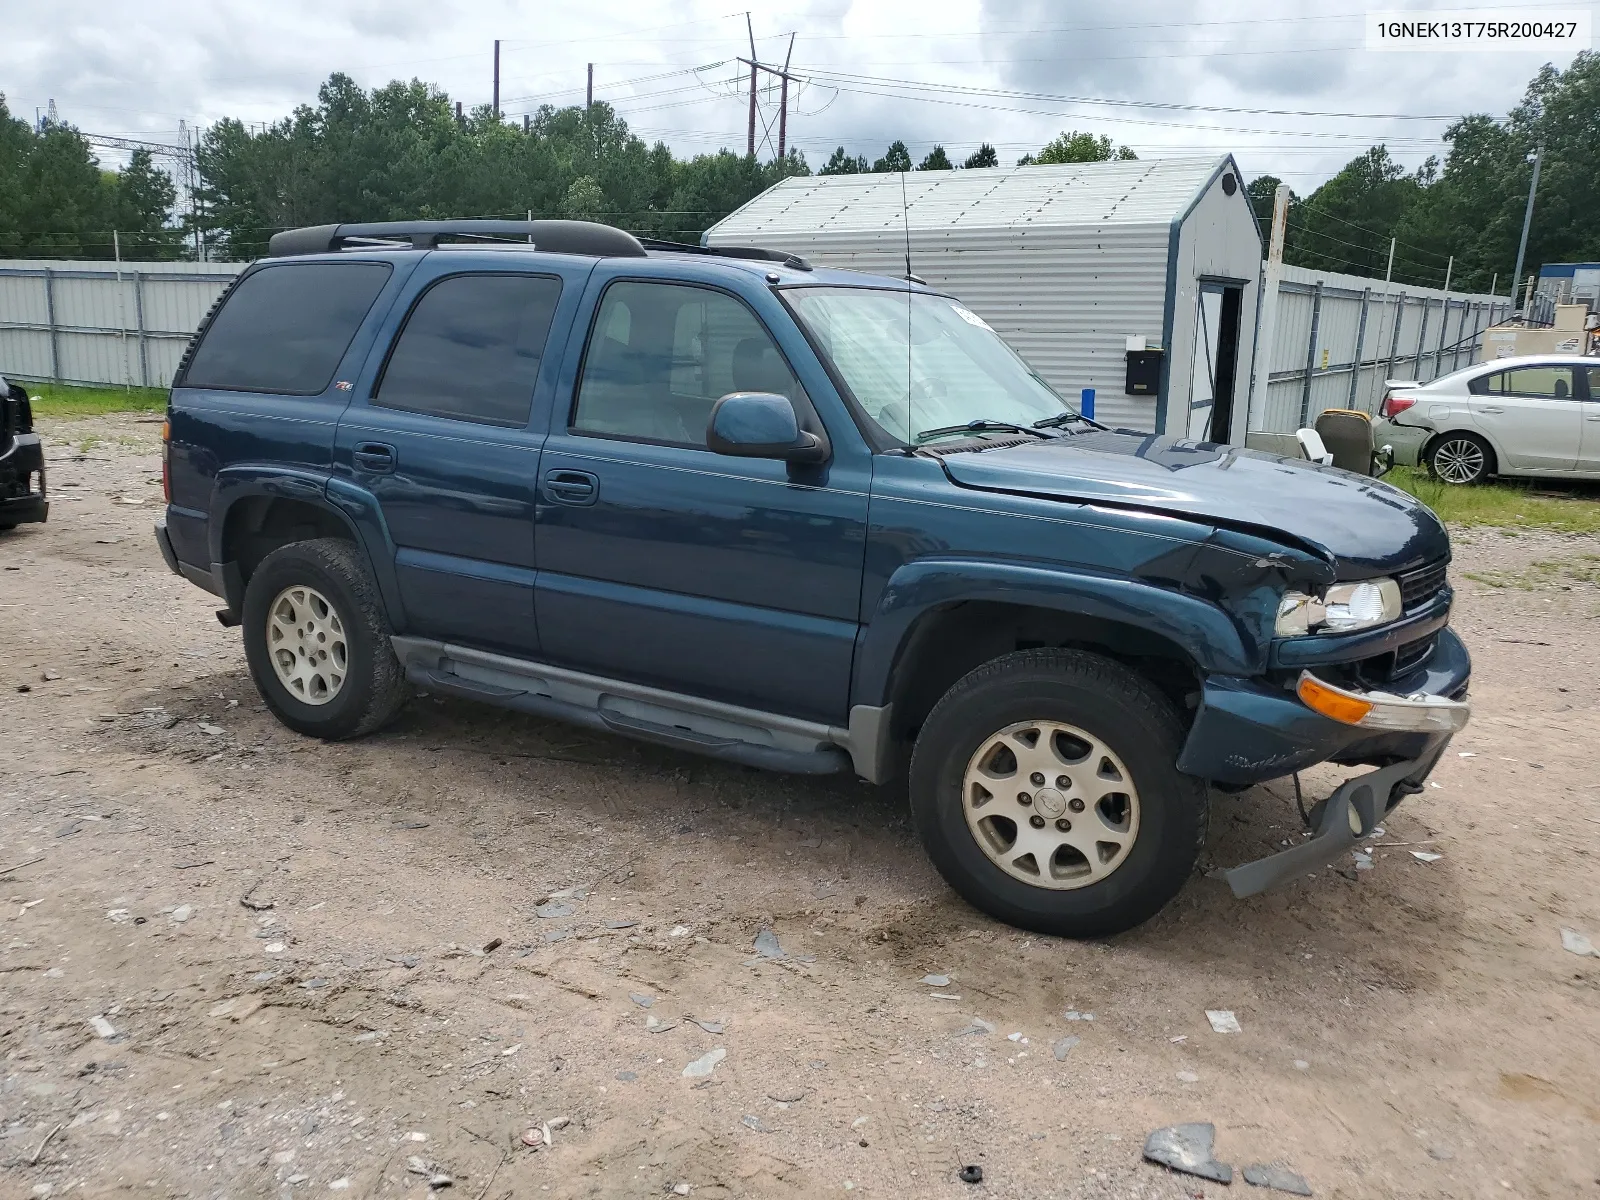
[
  {"x": 471, "y": 349},
  {"x": 286, "y": 327},
  {"x": 1540, "y": 383}
]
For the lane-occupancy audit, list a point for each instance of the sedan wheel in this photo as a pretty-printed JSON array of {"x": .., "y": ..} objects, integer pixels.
[{"x": 1459, "y": 458}]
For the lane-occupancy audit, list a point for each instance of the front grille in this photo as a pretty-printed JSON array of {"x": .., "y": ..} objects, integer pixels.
[
  {"x": 1412, "y": 655},
  {"x": 1419, "y": 586}
]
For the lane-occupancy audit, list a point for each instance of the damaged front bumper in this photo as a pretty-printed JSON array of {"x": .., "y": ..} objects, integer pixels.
[
  {"x": 1251, "y": 730},
  {"x": 1340, "y": 821},
  {"x": 22, "y": 484}
]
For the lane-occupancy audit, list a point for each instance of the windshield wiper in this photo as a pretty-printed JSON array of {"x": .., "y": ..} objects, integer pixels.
[
  {"x": 978, "y": 426},
  {"x": 1060, "y": 419}
]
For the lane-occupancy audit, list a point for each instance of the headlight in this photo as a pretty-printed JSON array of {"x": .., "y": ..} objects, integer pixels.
[{"x": 1340, "y": 609}]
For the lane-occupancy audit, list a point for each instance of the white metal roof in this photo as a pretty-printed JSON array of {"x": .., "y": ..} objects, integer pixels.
[{"x": 1056, "y": 196}]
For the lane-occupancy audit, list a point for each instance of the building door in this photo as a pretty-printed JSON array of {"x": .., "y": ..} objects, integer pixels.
[{"x": 1215, "y": 361}]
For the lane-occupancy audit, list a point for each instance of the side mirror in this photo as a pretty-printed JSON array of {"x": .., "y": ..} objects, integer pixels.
[{"x": 762, "y": 425}]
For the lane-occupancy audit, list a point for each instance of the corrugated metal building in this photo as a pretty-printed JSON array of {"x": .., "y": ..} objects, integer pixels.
[{"x": 1068, "y": 262}]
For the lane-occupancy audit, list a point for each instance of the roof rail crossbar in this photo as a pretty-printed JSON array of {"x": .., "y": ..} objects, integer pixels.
[
  {"x": 749, "y": 252},
  {"x": 556, "y": 237}
]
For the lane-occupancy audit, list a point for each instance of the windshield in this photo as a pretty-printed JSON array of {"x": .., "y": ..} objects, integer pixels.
[{"x": 918, "y": 362}]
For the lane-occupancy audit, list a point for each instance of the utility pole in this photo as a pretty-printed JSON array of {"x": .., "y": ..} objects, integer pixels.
[
  {"x": 496, "y": 104},
  {"x": 588, "y": 99},
  {"x": 783, "y": 104},
  {"x": 1527, "y": 221},
  {"x": 1269, "y": 306},
  {"x": 750, "y": 140}
]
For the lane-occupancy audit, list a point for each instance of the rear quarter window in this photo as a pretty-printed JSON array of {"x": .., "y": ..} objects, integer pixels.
[{"x": 285, "y": 328}]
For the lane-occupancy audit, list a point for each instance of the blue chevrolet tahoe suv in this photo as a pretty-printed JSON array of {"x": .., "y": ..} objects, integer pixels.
[{"x": 802, "y": 519}]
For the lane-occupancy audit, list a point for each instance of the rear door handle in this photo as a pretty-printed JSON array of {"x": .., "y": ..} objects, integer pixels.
[
  {"x": 1487, "y": 409},
  {"x": 376, "y": 457},
  {"x": 571, "y": 487}
]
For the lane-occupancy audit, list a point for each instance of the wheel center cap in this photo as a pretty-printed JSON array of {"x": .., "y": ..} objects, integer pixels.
[{"x": 1050, "y": 803}]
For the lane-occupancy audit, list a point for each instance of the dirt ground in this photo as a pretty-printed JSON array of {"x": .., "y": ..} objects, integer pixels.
[{"x": 1412, "y": 1030}]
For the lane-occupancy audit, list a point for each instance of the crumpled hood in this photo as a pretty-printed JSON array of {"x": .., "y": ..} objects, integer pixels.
[{"x": 1367, "y": 525}]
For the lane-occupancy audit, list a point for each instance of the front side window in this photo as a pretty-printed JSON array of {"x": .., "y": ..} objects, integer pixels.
[
  {"x": 661, "y": 355},
  {"x": 1538, "y": 383},
  {"x": 471, "y": 349},
  {"x": 286, "y": 328},
  {"x": 918, "y": 362}
]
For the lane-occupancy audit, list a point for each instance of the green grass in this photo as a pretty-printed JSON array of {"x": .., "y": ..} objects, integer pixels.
[
  {"x": 63, "y": 400},
  {"x": 1506, "y": 506}
]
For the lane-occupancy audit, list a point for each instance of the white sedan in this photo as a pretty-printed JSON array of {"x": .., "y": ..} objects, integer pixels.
[{"x": 1533, "y": 415}]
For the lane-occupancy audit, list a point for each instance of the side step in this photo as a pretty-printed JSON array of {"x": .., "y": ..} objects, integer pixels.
[{"x": 756, "y": 739}]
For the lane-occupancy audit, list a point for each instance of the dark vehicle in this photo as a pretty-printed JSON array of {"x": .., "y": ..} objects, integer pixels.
[
  {"x": 802, "y": 519},
  {"x": 22, "y": 487}
]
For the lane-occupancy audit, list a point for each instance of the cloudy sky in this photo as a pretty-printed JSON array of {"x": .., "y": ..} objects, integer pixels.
[{"x": 1166, "y": 77}]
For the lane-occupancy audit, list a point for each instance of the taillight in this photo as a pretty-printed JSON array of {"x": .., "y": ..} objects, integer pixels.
[
  {"x": 166, "y": 465},
  {"x": 1394, "y": 405}
]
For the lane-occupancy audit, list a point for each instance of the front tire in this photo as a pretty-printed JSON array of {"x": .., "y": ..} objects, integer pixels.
[
  {"x": 1460, "y": 458},
  {"x": 318, "y": 643},
  {"x": 1044, "y": 788}
]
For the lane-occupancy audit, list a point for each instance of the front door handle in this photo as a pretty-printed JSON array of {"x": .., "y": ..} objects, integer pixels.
[
  {"x": 376, "y": 457},
  {"x": 571, "y": 487}
]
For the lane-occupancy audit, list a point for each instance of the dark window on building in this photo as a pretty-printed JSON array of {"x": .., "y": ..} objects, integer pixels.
[
  {"x": 471, "y": 349},
  {"x": 662, "y": 354},
  {"x": 285, "y": 328}
]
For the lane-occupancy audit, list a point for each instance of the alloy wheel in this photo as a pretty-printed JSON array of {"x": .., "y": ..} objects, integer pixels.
[
  {"x": 306, "y": 641},
  {"x": 1459, "y": 460}
]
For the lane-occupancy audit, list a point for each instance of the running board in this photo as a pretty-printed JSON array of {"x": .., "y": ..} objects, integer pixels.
[{"x": 742, "y": 735}]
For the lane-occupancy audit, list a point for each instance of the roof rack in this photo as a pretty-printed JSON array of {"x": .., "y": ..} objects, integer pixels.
[
  {"x": 556, "y": 237},
  {"x": 749, "y": 252}
]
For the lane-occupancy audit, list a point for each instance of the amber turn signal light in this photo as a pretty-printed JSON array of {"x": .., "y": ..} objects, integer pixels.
[{"x": 1331, "y": 702}]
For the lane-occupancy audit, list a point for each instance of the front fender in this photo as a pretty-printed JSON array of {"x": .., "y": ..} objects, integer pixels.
[{"x": 1205, "y": 632}]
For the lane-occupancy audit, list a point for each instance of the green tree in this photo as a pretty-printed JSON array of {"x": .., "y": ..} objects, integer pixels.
[
  {"x": 1345, "y": 224},
  {"x": 840, "y": 163},
  {"x": 936, "y": 160},
  {"x": 1076, "y": 147},
  {"x": 895, "y": 158},
  {"x": 983, "y": 156}
]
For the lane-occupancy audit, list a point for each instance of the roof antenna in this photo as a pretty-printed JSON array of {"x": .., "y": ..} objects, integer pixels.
[{"x": 905, "y": 223}]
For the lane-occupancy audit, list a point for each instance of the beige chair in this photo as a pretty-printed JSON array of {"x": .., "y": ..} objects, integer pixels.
[{"x": 1348, "y": 436}]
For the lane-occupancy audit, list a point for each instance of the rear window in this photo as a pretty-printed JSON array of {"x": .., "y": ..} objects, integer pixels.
[
  {"x": 471, "y": 349},
  {"x": 285, "y": 328}
]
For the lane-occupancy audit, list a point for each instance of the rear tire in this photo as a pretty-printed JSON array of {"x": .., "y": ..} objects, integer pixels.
[
  {"x": 1062, "y": 715},
  {"x": 1460, "y": 458},
  {"x": 317, "y": 641}
]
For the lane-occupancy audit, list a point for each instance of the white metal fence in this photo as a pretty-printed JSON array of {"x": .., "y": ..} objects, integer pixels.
[
  {"x": 1338, "y": 337},
  {"x": 96, "y": 323}
]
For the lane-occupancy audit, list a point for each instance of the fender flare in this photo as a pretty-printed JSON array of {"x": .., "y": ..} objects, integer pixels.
[
  {"x": 354, "y": 508},
  {"x": 1213, "y": 640}
]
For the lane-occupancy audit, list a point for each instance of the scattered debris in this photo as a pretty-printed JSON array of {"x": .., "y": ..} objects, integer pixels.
[
  {"x": 978, "y": 1025},
  {"x": 1363, "y": 859},
  {"x": 943, "y": 996},
  {"x": 627, "y": 1076},
  {"x": 702, "y": 1067},
  {"x": 680, "y": 1189},
  {"x": 210, "y": 730},
  {"x": 1466, "y": 754},
  {"x": 653, "y": 1024},
  {"x": 1188, "y": 1077},
  {"x": 793, "y": 1096},
  {"x": 492, "y": 945},
  {"x": 679, "y": 931},
  {"x": 1223, "y": 1021},
  {"x": 34, "y": 1160},
  {"x": 550, "y": 910},
  {"x": 1426, "y": 856},
  {"x": 756, "y": 1123},
  {"x": 970, "y": 1174},
  {"x": 408, "y": 961},
  {"x": 1073, "y": 1014},
  {"x": 255, "y": 905},
  {"x": 274, "y": 948},
  {"x": 436, "y": 1175},
  {"x": 1577, "y": 942},
  {"x": 621, "y": 924},
  {"x": 1276, "y": 1176},
  {"x": 936, "y": 980},
  {"x": 641, "y": 1000},
  {"x": 1441, "y": 1153},
  {"x": 1301, "y": 1064},
  {"x": 119, "y": 916},
  {"x": 102, "y": 1027},
  {"x": 4, "y": 871},
  {"x": 182, "y": 913},
  {"x": 533, "y": 1137},
  {"x": 314, "y": 984},
  {"x": 70, "y": 828},
  {"x": 1017, "y": 1037},
  {"x": 1187, "y": 1148},
  {"x": 767, "y": 944},
  {"x": 1063, "y": 1047},
  {"x": 709, "y": 1026},
  {"x": 557, "y": 935}
]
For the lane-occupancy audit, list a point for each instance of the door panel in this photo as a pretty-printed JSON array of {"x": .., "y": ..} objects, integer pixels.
[
  {"x": 1589, "y": 437},
  {"x": 1534, "y": 416},
  {"x": 441, "y": 440},
  {"x": 732, "y": 578}
]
